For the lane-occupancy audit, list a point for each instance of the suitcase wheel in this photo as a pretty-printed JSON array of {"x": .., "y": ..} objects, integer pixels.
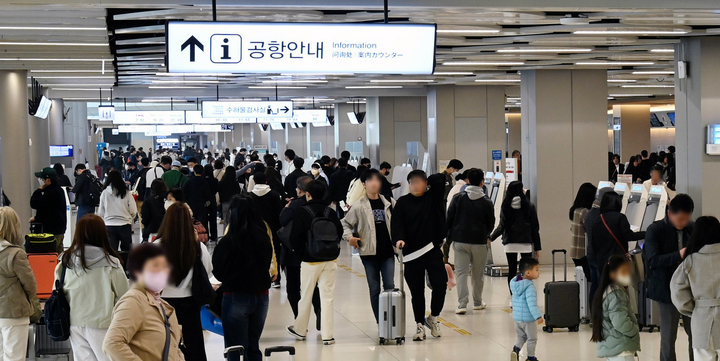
[
  {"x": 574, "y": 328},
  {"x": 399, "y": 341},
  {"x": 382, "y": 341},
  {"x": 652, "y": 329},
  {"x": 547, "y": 329}
]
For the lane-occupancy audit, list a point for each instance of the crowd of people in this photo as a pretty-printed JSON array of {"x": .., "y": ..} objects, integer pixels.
[{"x": 646, "y": 168}]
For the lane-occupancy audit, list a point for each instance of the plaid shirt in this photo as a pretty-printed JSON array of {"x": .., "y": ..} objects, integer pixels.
[{"x": 577, "y": 228}]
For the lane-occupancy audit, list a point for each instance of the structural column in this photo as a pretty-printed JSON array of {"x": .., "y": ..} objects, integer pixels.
[
  {"x": 634, "y": 129},
  {"x": 468, "y": 122},
  {"x": 564, "y": 142},
  {"x": 39, "y": 141},
  {"x": 697, "y": 106},
  {"x": 19, "y": 182},
  {"x": 55, "y": 122}
]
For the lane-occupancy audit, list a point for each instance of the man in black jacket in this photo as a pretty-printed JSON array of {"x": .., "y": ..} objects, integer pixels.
[
  {"x": 470, "y": 219},
  {"x": 49, "y": 203},
  {"x": 665, "y": 246},
  {"x": 198, "y": 195},
  {"x": 289, "y": 260},
  {"x": 269, "y": 204},
  {"x": 418, "y": 229},
  {"x": 291, "y": 179},
  {"x": 387, "y": 187},
  {"x": 340, "y": 183},
  {"x": 83, "y": 199},
  {"x": 314, "y": 272}
]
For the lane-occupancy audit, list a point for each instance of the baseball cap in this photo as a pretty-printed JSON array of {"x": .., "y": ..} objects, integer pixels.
[
  {"x": 176, "y": 163},
  {"x": 46, "y": 172}
]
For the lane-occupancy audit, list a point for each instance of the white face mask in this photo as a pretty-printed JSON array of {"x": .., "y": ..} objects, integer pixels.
[
  {"x": 41, "y": 181},
  {"x": 155, "y": 281},
  {"x": 168, "y": 204},
  {"x": 454, "y": 174},
  {"x": 315, "y": 172},
  {"x": 624, "y": 280}
]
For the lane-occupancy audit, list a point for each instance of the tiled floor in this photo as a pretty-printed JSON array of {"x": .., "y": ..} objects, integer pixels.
[{"x": 485, "y": 335}]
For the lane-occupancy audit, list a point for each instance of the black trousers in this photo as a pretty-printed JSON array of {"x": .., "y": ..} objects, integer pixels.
[
  {"x": 513, "y": 261},
  {"x": 212, "y": 222},
  {"x": 188, "y": 315},
  {"x": 120, "y": 237},
  {"x": 415, "y": 270},
  {"x": 292, "y": 286}
]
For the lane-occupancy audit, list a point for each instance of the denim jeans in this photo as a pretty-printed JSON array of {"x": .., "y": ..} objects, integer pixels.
[
  {"x": 83, "y": 210},
  {"x": 243, "y": 319},
  {"x": 374, "y": 270}
]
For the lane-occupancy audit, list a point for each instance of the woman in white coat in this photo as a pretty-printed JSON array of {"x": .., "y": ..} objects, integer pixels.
[{"x": 118, "y": 209}]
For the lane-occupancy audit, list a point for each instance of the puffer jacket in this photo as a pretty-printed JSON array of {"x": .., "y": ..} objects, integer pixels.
[
  {"x": 524, "y": 299},
  {"x": 18, "y": 289},
  {"x": 360, "y": 221},
  {"x": 620, "y": 327}
]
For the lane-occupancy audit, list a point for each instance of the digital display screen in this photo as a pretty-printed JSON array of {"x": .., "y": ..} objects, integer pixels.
[
  {"x": 149, "y": 117},
  {"x": 672, "y": 117},
  {"x": 654, "y": 121},
  {"x": 61, "y": 150}
]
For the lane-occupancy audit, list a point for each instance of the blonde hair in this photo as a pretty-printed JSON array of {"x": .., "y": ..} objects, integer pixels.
[{"x": 10, "y": 226}]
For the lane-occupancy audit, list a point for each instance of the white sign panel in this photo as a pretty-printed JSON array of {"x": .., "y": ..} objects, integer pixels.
[
  {"x": 149, "y": 117},
  {"x": 136, "y": 128},
  {"x": 195, "y": 117},
  {"x": 227, "y": 47},
  {"x": 269, "y": 109},
  {"x": 106, "y": 113}
]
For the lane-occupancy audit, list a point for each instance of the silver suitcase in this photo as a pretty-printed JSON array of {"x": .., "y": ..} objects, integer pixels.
[
  {"x": 584, "y": 294},
  {"x": 392, "y": 312}
]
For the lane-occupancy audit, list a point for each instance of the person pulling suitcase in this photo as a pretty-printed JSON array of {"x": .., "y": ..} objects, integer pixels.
[{"x": 392, "y": 311}]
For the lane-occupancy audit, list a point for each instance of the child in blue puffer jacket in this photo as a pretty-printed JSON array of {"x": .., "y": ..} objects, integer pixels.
[{"x": 526, "y": 313}]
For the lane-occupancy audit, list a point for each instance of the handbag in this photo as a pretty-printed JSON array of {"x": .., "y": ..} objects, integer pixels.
[
  {"x": 57, "y": 312},
  {"x": 628, "y": 257},
  {"x": 202, "y": 290}
]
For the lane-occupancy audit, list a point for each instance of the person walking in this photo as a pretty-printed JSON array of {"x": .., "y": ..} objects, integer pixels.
[
  {"x": 212, "y": 209},
  {"x": 50, "y": 206},
  {"x": 418, "y": 230},
  {"x": 82, "y": 190},
  {"x": 118, "y": 210},
  {"x": 665, "y": 247},
  {"x": 157, "y": 172},
  {"x": 19, "y": 303},
  {"x": 242, "y": 261},
  {"x": 320, "y": 272},
  {"x": 179, "y": 240},
  {"x": 94, "y": 283},
  {"x": 470, "y": 219},
  {"x": 198, "y": 195},
  {"x": 228, "y": 188},
  {"x": 581, "y": 206},
  {"x": 519, "y": 227},
  {"x": 694, "y": 292},
  {"x": 141, "y": 320},
  {"x": 525, "y": 312},
  {"x": 367, "y": 227},
  {"x": 153, "y": 209},
  {"x": 292, "y": 177},
  {"x": 269, "y": 204}
]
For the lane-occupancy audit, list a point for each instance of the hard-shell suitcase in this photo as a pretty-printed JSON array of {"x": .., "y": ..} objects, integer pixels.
[
  {"x": 584, "y": 283},
  {"x": 41, "y": 346},
  {"x": 562, "y": 301},
  {"x": 391, "y": 310},
  {"x": 279, "y": 349},
  {"x": 43, "y": 266},
  {"x": 234, "y": 349},
  {"x": 648, "y": 311}
]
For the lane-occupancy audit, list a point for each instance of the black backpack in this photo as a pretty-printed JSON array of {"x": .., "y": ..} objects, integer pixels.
[
  {"x": 57, "y": 312},
  {"x": 323, "y": 239},
  {"x": 96, "y": 188}
]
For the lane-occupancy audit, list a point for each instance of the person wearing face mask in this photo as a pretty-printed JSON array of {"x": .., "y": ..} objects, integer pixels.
[
  {"x": 615, "y": 327},
  {"x": 451, "y": 171},
  {"x": 144, "y": 327},
  {"x": 83, "y": 199},
  {"x": 387, "y": 187},
  {"x": 49, "y": 204},
  {"x": 318, "y": 174},
  {"x": 153, "y": 209},
  {"x": 130, "y": 174}
]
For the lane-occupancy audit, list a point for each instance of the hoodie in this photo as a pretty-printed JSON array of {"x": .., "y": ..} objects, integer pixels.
[
  {"x": 93, "y": 292},
  {"x": 524, "y": 300},
  {"x": 470, "y": 217},
  {"x": 269, "y": 203}
]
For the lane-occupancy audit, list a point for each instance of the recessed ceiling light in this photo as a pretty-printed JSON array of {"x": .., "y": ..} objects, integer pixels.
[
  {"x": 293, "y": 81},
  {"x": 50, "y": 59},
  {"x": 654, "y": 72},
  {"x": 277, "y": 87},
  {"x": 402, "y": 81},
  {"x": 483, "y": 63},
  {"x": 631, "y": 95},
  {"x": 375, "y": 87},
  {"x": 648, "y": 86},
  {"x": 193, "y": 74},
  {"x": 453, "y": 73},
  {"x": 50, "y": 28},
  {"x": 615, "y": 63},
  {"x": 11, "y": 43},
  {"x": 312, "y": 99},
  {"x": 622, "y": 81},
  {"x": 74, "y": 77},
  {"x": 74, "y": 89},
  {"x": 543, "y": 50},
  {"x": 71, "y": 71},
  {"x": 164, "y": 101},
  {"x": 185, "y": 82},
  {"x": 497, "y": 80},
  {"x": 630, "y": 32},
  {"x": 176, "y": 87},
  {"x": 662, "y": 50},
  {"x": 468, "y": 31}
]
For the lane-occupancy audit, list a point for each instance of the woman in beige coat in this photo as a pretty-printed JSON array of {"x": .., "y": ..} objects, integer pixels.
[
  {"x": 139, "y": 331},
  {"x": 19, "y": 304}
]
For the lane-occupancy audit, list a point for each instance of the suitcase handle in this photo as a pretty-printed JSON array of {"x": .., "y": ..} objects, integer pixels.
[
  {"x": 402, "y": 270},
  {"x": 271, "y": 350},
  {"x": 564, "y": 252},
  {"x": 230, "y": 349}
]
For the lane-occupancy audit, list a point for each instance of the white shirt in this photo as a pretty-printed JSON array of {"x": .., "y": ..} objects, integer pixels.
[
  {"x": 184, "y": 289},
  {"x": 152, "y": 174},
  {"x": 116, "y": 211}
]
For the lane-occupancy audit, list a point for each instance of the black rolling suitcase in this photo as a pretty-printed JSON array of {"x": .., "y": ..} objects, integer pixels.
[
  {"x": 279, "y": 349},
  {"x": 562, "y": 301}
]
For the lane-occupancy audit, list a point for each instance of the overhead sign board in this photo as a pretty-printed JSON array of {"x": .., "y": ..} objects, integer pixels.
[
  {"x": 234, "y": 47},
  {"x": 195, "y": 117},
  {"x": 106, "y": 113},
  {"x": 149, "y": 117},
  {"x": 274, "y": 110}
]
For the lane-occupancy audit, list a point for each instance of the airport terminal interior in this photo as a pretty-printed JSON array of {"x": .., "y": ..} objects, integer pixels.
[{"x": 269, "y": 145}]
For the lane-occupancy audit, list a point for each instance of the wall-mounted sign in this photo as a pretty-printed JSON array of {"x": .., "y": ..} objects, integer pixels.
[
  {"x": 231, "y": 47},
  {"x": 497, "y": 154},
  {"x": 195, "y": 117},
  {"x": 149, "y": 117},
  {"x": 106, "y": 113},
  {"x": 275, "y": 110}
]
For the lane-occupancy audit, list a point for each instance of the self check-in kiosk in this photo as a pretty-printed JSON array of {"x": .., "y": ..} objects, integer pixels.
[
  {"x": 499, "y": 259},
  {"x": 623, "y": 190},
  {"x": 497, "y": 192},
  {"x": 635, "y": 210},
  {"x": 488, "y": 182},
  {"x": 655, "y": 210}
]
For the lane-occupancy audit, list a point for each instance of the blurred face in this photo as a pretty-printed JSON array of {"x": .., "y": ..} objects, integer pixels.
[
  {"x": 636, "y": 162},
  {"x": 679, "y": 220},
  {"x": 622, "y": 275},
  {"x": 656, "y": 176},
  {"x": 616, "y": 160},
  {"x": 373, "y": 185},
  {"x": 532, "y": 274},
  {"x": 154, "y": 274},
  {"x": 418, "y": 186}
]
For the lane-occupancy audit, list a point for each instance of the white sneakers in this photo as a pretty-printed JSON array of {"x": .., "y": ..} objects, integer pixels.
[
  {"x": 419, "y": 333},
  {"x": 434, "y": 325},
  {"x": 482, "y": 306},
  {"x": 461, "y": 310}
]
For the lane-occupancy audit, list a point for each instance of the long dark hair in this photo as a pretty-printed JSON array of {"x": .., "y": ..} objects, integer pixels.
[
  {"x": 246, "y": 227},
  {"x": 178, "y": 239},
  {"x": 707, "y": 231},
  {"x": 90, "y": 231},
  {"x": 229, "y": 176},
  {"x": 159, "y": 188},
  {"x": 274, "y": 180},
  {"x": 515, "y": 189},
  {"x": 596, "y": 311},
  {"x": 116, "y": 182},
  {"x": 208, "y": 171},
  {"x": 584, "y": 198},
  {"x": 611, "y": 202}
]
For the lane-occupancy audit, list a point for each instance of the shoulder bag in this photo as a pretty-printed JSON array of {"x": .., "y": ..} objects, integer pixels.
[
  {"x": 202, "y": 291},
  {"x": 57, "y": 312},
  {"x": 627, "y": 255}
]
